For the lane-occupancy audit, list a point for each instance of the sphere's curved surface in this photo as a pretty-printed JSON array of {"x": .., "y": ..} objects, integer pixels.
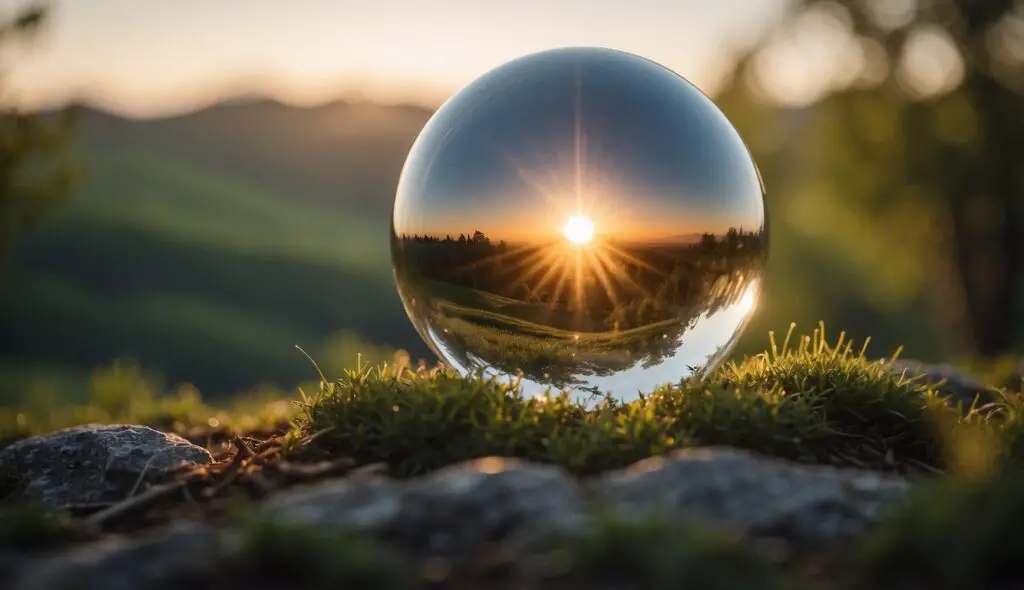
[{"x": 583, "y": 218}]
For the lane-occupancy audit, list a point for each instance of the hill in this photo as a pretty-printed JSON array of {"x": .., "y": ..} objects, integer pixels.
[
  {"x": 343, "y": 155},
  {"x": 207, "y": 246}
]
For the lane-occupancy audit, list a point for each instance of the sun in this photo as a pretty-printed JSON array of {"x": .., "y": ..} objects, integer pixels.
[{"x": 579, "y": 230}]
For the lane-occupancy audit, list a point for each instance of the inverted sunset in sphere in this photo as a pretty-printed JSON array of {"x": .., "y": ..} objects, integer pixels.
[{"x": 581, "y": 219}]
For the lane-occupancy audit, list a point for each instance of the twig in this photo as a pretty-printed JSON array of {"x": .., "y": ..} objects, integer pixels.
[
  {"x": 316, "y": 435},
  {"x": 188, "y": 495},
  {"x": 142, "y": 475},
  {"x": 135, "y": 503},
  {"x": 266, "y": 454},
  {"x": 925, "y": 466},
  {"x": 233, "y": 468},
  {"x": 243, "y": 449},
  {"x": 315, "y": 470},
  {"x": 260, "y": 481},
  {"x": 258, "y": 446},
  {"x": 369, "y": 470},
  {"x": 231, "y": 476},
  {"x": 86, "y": 509},
  {"x": 849, "y": 459}
]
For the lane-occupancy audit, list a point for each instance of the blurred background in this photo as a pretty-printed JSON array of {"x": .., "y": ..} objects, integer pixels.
[{"x": 191, "y": 189}]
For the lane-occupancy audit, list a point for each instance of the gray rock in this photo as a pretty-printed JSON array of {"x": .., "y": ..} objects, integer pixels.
[
  {"x": 92, "y": 463},
  {"x": 450, "y": 512},
  {"x": 12, "y": 565},
  {"x": 368, "y": 505},
  {"x": 742, "y": 492},
  {"x": 170, "y": 558},
  {"x": 956, "y": 386},
  {"x": 460, "y": 509}
]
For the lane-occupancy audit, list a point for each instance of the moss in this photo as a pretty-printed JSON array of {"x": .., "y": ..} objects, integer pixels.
[{"x": 813, "y": 402}]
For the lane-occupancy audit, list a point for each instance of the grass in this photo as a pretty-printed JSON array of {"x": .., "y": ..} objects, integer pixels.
[
  {"x": 124, "y": 393},
  {"x": 805, "y": 399}
]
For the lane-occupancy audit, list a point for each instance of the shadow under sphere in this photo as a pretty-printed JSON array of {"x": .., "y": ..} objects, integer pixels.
[{"x": 583, "y": 218}]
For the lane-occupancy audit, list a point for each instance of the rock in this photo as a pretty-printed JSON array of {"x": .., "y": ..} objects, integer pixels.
[
  {"x": 460, "y": 509},
  {"x": 448, "y": 513},
  {"x": 759, "y": 496},
  {"x": 93, "y": 464},
  {"x": 959, "y": 388},
  {"x": 368, "y": 505},
  {"x": 12, "y": 565},
  {"x": 170, "y": 558}
]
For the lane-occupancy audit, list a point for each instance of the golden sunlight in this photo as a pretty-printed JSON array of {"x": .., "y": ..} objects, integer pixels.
[
  {"x": 749, "y": 299},
  {"x": 579, "y": 230}
]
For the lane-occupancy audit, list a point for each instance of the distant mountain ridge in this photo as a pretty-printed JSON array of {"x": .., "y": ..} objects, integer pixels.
[{"x": 344, "y": 155}]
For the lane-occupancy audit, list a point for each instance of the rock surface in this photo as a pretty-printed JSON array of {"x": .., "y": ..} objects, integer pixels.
[
  {"x": 959, "y": 388},
  {"x": 168, "y": 558},
  {"x": 731, "y": 489},
  {"x": 465, "y": 506},
  {"x": 366, "y": 505},
  {"x": 489, "y": 499},
  {"x": 448, "y": 513},
  {"x": 453, "y": 514},
  {"x": 93, "y": 464}
]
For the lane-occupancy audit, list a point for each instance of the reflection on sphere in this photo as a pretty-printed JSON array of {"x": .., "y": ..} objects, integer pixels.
[{"x": 582, "y": 218}]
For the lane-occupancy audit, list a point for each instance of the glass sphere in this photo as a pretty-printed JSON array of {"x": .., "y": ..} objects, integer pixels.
[{"x": 580, "y": 219}]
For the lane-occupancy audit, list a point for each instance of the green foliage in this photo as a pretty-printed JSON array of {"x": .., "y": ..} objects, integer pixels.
[
  {"x": 910, "y": 191},
  {"x": 124, "y": 393},
  {"x": 812, "y": 402},
  {"x": 960, "y": 533},
  {"x": 36, "y": 172},
  {"x": 659, "y": 554}
]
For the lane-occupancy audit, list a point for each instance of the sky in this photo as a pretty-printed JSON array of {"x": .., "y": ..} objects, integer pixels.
[
  {"x": 594, "y": 132},
  {"x": 157, "y": 57}
]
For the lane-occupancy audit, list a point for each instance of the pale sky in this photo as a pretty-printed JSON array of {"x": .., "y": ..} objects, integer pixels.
[{"x": 156, "y": 57}]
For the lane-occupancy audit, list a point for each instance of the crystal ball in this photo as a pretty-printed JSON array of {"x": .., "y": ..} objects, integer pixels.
[{"x": 580, "y": 219}]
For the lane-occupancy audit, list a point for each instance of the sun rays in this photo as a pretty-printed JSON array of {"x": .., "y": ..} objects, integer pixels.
[{"x": 560, "y": 273}]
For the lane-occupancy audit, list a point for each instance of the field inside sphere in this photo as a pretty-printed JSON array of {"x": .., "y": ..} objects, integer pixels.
[{"x": 580, "y": 219}]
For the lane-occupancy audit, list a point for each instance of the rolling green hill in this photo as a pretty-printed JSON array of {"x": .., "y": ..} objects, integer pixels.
[{"x": 175, "y": 253}]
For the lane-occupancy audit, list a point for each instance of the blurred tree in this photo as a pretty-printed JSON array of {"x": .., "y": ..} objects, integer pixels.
[
  {"x": 36, "y": 173},
  {"x": 920, "y": 137}
]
